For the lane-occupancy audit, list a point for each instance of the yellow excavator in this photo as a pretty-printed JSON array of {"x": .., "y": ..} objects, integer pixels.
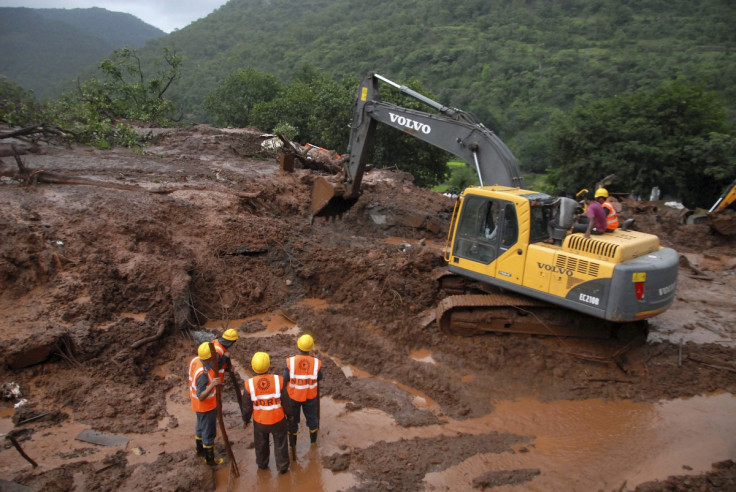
[
  {"x": 722, "y": 215},
  {"x": 513, "y": 262}
]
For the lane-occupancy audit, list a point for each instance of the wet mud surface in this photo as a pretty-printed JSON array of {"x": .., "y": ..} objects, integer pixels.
[{"x": 102, "y": 292}]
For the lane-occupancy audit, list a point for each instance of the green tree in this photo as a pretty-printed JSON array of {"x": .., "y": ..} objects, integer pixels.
[
  {"x": 675, "y": 137},
  {"x": 100, "y": 110},
  {"x": 232, "y": 102},
  {"x": 462, "y": 177},
  {"x": 317, "y": 106},
  {"x": 125, "y": 92},
  {"x": 17, "y": 106}
]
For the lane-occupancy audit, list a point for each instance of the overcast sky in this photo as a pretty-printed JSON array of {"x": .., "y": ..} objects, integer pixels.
[{"x": 167, "y": 15}]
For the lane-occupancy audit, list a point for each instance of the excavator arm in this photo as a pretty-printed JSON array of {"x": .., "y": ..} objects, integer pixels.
[
  {"x": 725, "y": 200},
  {"x": 453, "y": 130}
]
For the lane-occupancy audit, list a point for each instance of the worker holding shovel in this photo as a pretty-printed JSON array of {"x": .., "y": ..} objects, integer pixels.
[
  {"x": 203, "y": 385},
  {"x": 222, "y": 344}
]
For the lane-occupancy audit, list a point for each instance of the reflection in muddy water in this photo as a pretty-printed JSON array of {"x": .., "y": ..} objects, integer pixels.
[{"x": 592, "y": 445}]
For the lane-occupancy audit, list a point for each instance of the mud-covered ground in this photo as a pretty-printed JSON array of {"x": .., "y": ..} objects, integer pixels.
[{"x": 102, "y": 289}]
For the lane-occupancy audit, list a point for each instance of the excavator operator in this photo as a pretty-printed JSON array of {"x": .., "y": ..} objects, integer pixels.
[{"x": 611, "y": 217}]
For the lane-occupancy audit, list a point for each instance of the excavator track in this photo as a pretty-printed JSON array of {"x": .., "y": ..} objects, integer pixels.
[{"x": 473, "y": 314}]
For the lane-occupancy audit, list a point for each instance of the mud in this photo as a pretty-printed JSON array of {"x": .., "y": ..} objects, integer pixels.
[{"x": 103, "y": 291}]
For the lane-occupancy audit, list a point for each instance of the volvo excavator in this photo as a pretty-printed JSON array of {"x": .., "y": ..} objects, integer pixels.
[{"x": 521, "y": 267}]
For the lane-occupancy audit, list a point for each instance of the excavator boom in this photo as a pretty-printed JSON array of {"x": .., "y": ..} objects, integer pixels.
[{"x": 453, "y": 130}]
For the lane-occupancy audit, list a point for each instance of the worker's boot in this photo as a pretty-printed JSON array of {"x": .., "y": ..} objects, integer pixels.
[
  {"x": 292, "y": 445},
  {"x": 313, "y": 436},
  {"x": 200, "y": 447},
  {"x": 209, "y": 456}
]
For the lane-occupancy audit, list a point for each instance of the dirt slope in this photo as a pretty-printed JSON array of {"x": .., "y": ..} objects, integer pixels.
[{"x": 101, "y": 288}]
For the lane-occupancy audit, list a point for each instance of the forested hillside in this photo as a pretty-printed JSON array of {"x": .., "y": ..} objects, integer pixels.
[
  {"x": 513, "y": 63},
  {"x": 46, "y": 49},
  {"x": 519, "y": 66}
]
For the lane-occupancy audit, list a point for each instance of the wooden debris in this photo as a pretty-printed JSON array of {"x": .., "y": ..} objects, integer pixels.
[
  {"x": 20, "y": 450},
  {"x": 313, "y": 157},
  {"x": 32, "y": 177},
  {"x": 714, "y": 363},
  {"x": 699, "y": 274}
]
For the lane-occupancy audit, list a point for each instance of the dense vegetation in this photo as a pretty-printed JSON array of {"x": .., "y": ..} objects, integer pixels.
[
  {"x": 577, "y": 88},
  {"x": 675, "y": 137},
  {"x": 512, "y": 63},
  {"x": 44, "y": 50},
  {"x": 100, "y": 110}
]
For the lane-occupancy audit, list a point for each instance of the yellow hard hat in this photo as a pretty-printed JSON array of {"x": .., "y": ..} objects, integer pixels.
[
  {"x": 204, "y": 351},
  {"x": 260, "y": 362},
  {"x": 601, "y": 192},
  {"x": 305, "y": 343},
  {"x": 230, "y": 334}
]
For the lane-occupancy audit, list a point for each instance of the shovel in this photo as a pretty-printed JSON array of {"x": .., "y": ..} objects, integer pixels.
[{"x": 218, "y": 396}]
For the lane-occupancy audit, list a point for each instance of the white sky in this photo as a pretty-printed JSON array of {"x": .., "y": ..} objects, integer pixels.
[{"x": 167, "y": 15}]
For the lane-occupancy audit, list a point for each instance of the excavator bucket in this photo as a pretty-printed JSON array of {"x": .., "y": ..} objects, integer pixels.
[{"x": 328, "y": 199}]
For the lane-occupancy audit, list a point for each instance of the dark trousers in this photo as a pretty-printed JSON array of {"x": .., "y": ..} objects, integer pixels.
[
  {"x": 309, "y": 408},
  {"x": 206, "y": 428},
  {"x": 280, "y": 444}
]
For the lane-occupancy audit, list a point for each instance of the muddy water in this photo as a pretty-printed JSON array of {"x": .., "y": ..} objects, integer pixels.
[
  {"x": 592, "y": 445},
  {"x": 576, "y": 445}
]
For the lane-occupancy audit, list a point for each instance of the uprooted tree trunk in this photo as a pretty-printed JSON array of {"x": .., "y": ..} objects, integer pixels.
[{"x": 29, "y": 177}]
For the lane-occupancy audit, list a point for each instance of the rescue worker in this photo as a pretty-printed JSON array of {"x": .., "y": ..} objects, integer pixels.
[
  {"x": 302, "y": 375},
  {"x": 222, "y": 344},
  {"x": 601, "y": 195},
  {"x": 268, "y": 403},
  {"x": 596, "y": 216},
  {"x": 203, "y": 392}
]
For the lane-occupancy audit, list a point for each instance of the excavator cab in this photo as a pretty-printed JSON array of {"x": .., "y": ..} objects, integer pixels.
[{"x": 489, "y": 226}]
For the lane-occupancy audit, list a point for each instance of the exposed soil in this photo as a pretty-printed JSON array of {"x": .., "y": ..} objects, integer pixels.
[{"x": 101, "y": 290}]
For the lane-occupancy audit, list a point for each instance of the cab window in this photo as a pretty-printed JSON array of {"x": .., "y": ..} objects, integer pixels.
[{"x": 479, "y": 230}]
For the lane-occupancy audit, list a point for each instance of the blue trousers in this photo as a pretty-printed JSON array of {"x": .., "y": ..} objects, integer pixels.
[
  {"x": 309, "y": 408},
  {"x": 206, "y": 428}
]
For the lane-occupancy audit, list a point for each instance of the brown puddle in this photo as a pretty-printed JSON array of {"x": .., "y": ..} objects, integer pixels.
[
  {"x": 592, "y": 444},
  {"x": 275, "y": 322},
  {"x": 576, "y": 445}
]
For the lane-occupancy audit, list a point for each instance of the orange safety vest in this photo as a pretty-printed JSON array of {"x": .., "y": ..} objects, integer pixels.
[
  {"x": 265, "y": 393},
  {"x": 196, "y": 368},
  {"x": 303, "y": 372},
  {"x": 222, "y": 352},
  {"x": 611, "y": 218}
]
